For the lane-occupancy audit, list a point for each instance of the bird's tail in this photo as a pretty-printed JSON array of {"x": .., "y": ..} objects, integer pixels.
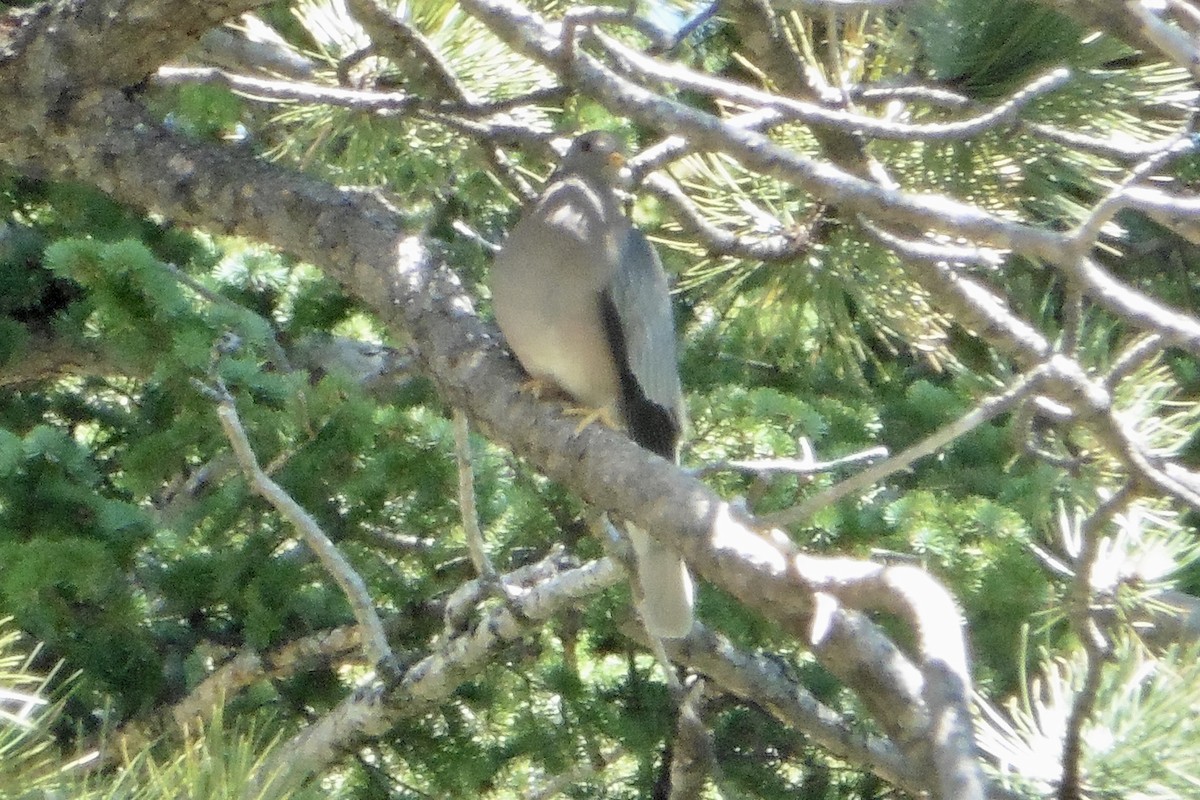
[{"x": 666, "y": 587}]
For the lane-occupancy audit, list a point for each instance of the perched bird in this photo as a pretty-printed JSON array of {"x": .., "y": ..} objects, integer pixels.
[{"x": 582, "y": 299}]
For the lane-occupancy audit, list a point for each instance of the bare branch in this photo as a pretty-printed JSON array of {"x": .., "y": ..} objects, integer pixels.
[
  {"x": 1133, "y": 306},
  {"x": 719, "y": 242},
  {"x": 933, "y": 614},
  {"x": 280, "y": 91},
  {"x": 1125, "y": 151},
  {"x": 679, "y": 76},
  {"x": 792, "y": 466},
  {"x": 466, "y": 498},
  {"x": 251, "y": 44},
  {"x": 1098, "y": 649},
  {"x": 692, "y": 756},
  {"x": 763, "y": 681},
  {"x": 375, "y": 645},
  {"x": 371, "y": 711},
  {"x": 1088, "y": 231},
  {"x": 587, "y": 16},
  {"x": 1144, "y": 350},
  {"x": 463, "y": 599},
  {"x": 938, "y": 252},
  {"x": 1169, "y": 39},
  {"x": 985, "y": 411},
  {"x": 1175, "y": 213}
]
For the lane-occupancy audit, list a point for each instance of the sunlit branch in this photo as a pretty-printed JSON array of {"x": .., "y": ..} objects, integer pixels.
[
  {"x": 1172, "y": 41},
  {"x": 792, "y": 466},
  {"x": 1143, "y": 351},
  {"x": 1096, "y": 645},
  {"x": 251, "y": 44},
  {"x": 1088, "y": 232},
  {"x": 374, "y": 640},
  {"x": 372, "y": 711},
  {"x": 985, "y": 411},
  {"x": 280, "y": 91},
  {"x": 718, "y": 241},
  {"x": 584, "y": 16},
  {"x": 466, "y": 498},
  {"x": 678, "y": 76},
  {"x": 939, "y": 252},
  {"x": 932, "y": 614},
  {"x": 672, "y": 148},
  {"x": 1125, "y": 152},
  {"x": 1174, "y": 212}
]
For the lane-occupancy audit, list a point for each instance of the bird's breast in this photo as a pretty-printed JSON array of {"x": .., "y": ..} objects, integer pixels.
[{"x": 563, "y": 340}]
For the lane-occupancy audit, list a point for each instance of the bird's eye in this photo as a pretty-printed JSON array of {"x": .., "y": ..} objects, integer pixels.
[{"x": 586, "y": 146}]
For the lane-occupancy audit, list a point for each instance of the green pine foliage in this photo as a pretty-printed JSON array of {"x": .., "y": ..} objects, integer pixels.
[{"x": 131, "y": 546}]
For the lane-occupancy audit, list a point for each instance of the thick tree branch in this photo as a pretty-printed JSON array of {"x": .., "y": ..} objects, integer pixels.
[
  {"x": 44, "y": 358},
  {"x": 371, "y": 711},
  {"x": 762, "y": 681},
  {"x": 528, "y": 34},
  {"x": 67, "y": 50},
  {"x": 360, "y": 243}
]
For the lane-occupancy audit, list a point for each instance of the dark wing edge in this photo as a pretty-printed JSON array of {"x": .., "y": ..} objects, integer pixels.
[{"x": 639, "y": 323}]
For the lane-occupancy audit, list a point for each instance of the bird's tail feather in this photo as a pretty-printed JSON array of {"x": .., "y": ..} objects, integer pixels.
[{"x": 666, "y": 587}]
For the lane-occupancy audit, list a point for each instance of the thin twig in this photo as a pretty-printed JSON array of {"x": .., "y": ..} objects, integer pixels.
[
  {"x": 588, "y": 16},
  {"x": 466, "y": 498},
  {"x": 1102, "y": 213},
  {"x": 792, "y": 466},
  {"x": 1141, "y": 352},
  {"x": 1096, "y": 645},
  {"x": 811, "y": 113},
  {"x": 934, "y": 251},
  {"x": 720, "y": 242},
  {"x": 374, "y": 640},
  {"x": 985, "y": 411}
]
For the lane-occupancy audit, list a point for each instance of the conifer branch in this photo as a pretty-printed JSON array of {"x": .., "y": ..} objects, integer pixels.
[{"x": 374, "y": 640}]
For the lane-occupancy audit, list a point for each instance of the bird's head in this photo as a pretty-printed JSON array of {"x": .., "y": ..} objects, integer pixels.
[{"x": 595, "y": 154}]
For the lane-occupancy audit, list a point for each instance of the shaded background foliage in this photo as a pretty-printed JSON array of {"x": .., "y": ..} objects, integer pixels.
[{"x": 131, "y": 547}]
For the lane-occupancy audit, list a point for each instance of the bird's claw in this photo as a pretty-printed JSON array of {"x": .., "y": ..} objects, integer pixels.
[{"x": 604, "y": 415}]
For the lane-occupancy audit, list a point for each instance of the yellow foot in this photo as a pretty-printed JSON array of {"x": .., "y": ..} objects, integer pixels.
[{"x": 605, "y": 415}]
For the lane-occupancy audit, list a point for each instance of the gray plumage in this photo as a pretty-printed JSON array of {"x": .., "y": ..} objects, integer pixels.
[{"x": 582, "y": 299}]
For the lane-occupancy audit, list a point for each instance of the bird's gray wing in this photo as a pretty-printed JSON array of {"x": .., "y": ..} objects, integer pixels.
[{"x": 641, "y": 331}]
